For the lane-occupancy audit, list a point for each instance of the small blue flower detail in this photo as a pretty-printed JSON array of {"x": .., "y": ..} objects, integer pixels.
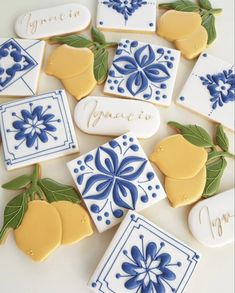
[
  {"x": 34, "y": 126},
  {"x": 142, "y": 69},
  {"x": 13, "y": 59},
  {"x": 125, "y": 7},
  {"x": 221, "y": 87},
  {"x": 147, "y": 269}
]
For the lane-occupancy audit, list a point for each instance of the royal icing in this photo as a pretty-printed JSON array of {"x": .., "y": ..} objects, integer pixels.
[
  {"x": 74, "y": 67},
  {"x": 37, "y": 129},
  {"x": 20, "y": 66},
  {"x": 127, "y": 15},
  {"x": 211, "y": 221},
  {"x": 209, "y": 90},
  {"x": 143, "y": 71},
  {"x": 111, "y": 116},
  {"x": 58, "y": 20},
  {"x": 144, "y": 258},
  {"x": 115, "y": 178}
]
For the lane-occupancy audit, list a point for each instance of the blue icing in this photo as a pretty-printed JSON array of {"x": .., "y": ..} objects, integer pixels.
[
  {"x": 221, "y": 87},
  {"x": 13, "y": 59},
  {"x": 34, "y": 126},
  {"x": 125, "y": 7},
  {"x": 147, "y": 268}
]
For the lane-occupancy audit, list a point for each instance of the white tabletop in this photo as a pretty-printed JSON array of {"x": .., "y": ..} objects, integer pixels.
[{"x": 70, "y": 267}]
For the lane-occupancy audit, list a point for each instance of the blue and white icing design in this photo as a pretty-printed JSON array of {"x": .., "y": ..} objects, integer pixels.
[
  {"x": 142, "y": 258},
  {"x": 221, "y": 87},
  {"x": 13, "y": 59},
  {"x": 36, "y": 129},
  {"x": 34, "y": 126},
  {"x": 114, "y": 178},
  {"x": 143, "y": 71}
]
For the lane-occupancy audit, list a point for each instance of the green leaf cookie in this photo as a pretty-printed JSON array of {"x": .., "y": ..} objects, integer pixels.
[
  {"x": 222, "y": 139},
  {"x": 98, "y": 36},
  {"x": 208, "y": 21},
  {"x": 205, "y": 4},
  {"x": 18, "y": 183},
  {"x": 181, "y": 5},
  {"x": 101, "y": 65}
]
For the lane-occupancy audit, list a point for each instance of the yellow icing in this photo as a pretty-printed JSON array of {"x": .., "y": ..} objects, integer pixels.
[
  {"x": 74, "y": 67},
  {"x": 76, "y": 223},
  {"x": 177, "y": 158},
  {"x": 40, "y": 231},
  {"x": 182, "y": 192},
  {"x": 192, "y": 45},
  {"x": 174, "y": 25}
]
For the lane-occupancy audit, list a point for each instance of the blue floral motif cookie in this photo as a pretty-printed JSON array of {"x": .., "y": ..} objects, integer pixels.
[
  {"x": 143, "y": 258},
  {"x": 143, "y": 71},
  {"x": 115, "y": 178},
  {"x": 127, "y": 15},
  {"x": 37, "y": 129},
  {"x": 210, "y": 90}
]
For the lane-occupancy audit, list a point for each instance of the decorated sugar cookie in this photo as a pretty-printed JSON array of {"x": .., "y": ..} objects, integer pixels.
[
  {"x": 44, "y": 215},
  {"x": 143, "y": 71},
  {"x": 139, "y": 16},
  {"x": 144, "y": 258},
  {"x": 74, "y": 67},
  {"x": 210, "y": 90},
  {"x": 211, "y": 221},
  {"x": 111, "y": 116},
  {"x": 37, "y": 129},
  {"x": 20, "y": 66},
  {"x": 58, "y": 20},
  {"x": 192, "y": 162},
  {"x": 114, "y": 178}
]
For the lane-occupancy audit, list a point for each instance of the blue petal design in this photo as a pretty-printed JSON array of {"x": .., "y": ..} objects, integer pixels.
[
  {"x": 144, "y": 56},
  {"x": 113, "y": 158},
  {"x": 138, "y": 171},
  {"x": 137, "y": 83},
  {"x": 118, "y": 194},
  {"x": 93, "y": 180},
  {"x": 157, "y": 73},
  {"x": 125, "y": 65}
]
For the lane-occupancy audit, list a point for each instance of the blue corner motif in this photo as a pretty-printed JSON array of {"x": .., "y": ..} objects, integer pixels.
[
  {"x": 221, "y": 87},
  {"x": 125, "y": 7},
  {"x": 141, "y": 69},
  {"x": 34, "y": 126},
  {"x": 110, "y": 177},
  {"x": 147, "y": 269},
  {"x": 13, "y": 59}
]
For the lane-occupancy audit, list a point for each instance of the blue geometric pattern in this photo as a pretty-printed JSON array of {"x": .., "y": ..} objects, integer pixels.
[
  {"x": 13, "y": 59},
  {"x": 114, "y": 178},
  {"x": 144, "y": 259}
]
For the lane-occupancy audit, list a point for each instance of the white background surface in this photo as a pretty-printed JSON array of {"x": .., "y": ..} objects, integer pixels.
[{"x": 70, "y": 267}]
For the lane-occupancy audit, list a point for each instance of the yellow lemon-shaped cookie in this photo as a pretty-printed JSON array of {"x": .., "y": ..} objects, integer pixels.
[
  {"x": 192, "y": 45},
  {"x": 74, "y": 67},
  {"x": 182, "y": 192},
  {"x": 40, "y": 231},
  {"x": 174, "y": 25},
  {"x": 75, "y": 221},
  {"x": 177, "y": 158}
]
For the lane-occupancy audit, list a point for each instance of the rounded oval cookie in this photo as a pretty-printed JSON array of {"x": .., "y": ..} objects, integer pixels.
[
  {"x": 113, "y": 116},
  {"x": 181, "y": 192},
  {"x": 40, "y": 231},
  {"x": 76, "y": 224},
  {"x": 54, "y": 21},
  {"x": 174, "y": 25},
  {"x": 177, "y": 158}
]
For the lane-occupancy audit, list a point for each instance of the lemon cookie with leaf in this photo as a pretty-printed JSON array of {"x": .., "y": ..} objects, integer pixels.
[{"x": 44, "y": 215}]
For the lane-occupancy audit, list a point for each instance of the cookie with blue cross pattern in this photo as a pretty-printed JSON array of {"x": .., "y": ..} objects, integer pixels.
[{"x": 114, "y": 178}]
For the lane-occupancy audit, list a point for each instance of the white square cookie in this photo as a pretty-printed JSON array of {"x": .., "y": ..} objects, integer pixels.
[
  {"x": 20, "y": 66},
  {"x": 210, "y": 90},
  {"x": 127, "y": 15},
  {"x": 37, "y": 129},
  {"x": 144, "y": 258},
  {"x": 115, "y": 178},
  {"x": 143, "y": 71}
]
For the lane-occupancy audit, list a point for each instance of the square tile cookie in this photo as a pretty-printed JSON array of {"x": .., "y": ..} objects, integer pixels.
[
  {"x": 143, "y": 71},
  {"x": 115, "y": 178},
  {"x": 144, "y": 258},
  {"x": 20, "y": 66},
  {"x": 37, "y": 129},
  {"x": 210, "y": 90},
  {"x": 127, "y": 15}
]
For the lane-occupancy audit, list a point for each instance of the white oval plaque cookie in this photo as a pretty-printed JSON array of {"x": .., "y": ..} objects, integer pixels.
[
  {"x": 54, "y": 21},
  {"x": 113, "y": 116},
  {"x": 211, "y": 221}
]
